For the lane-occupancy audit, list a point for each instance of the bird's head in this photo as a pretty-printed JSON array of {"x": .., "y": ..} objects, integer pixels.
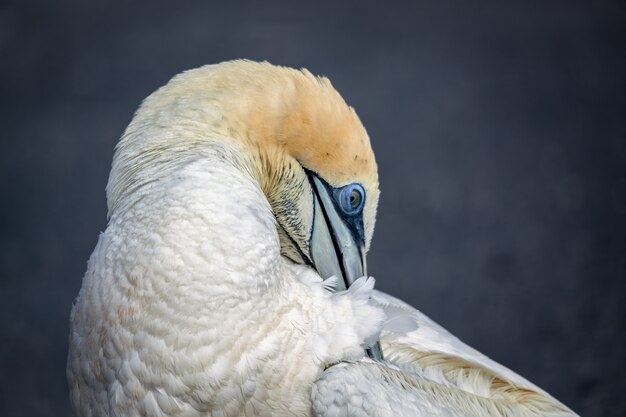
[{"x": 291, "y": 131}]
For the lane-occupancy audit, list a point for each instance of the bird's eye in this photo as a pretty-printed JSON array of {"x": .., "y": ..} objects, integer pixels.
[{"x": 351, "y": 198}]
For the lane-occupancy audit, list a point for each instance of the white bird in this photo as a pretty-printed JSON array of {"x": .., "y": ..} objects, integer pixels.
[{"x": 242, "y": 201}]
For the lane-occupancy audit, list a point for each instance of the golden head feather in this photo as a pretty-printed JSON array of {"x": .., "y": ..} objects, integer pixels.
[{"x": 279, "y": 115}]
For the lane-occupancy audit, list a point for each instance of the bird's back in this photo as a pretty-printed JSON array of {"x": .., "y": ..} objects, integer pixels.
[{"x": 427, "y": 372}]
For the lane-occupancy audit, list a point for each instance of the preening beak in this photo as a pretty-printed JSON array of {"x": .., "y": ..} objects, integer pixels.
[
  {"x": 336, "y": 248},
  {"x": 337, "y": 245}
]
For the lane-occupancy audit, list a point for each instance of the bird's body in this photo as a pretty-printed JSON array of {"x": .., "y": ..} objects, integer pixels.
[
  {"x": 165, "y": 303},
  {"x": 201, "y": 298}
]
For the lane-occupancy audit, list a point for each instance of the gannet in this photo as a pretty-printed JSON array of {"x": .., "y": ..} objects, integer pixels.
[{"x": 231, "y": 277}]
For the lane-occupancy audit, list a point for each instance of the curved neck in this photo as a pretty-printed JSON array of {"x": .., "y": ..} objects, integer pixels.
[{"x": 207, "y": 214}]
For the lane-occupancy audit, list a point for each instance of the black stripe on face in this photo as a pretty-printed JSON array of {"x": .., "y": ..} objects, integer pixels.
[{"x": 354, "y": 222}]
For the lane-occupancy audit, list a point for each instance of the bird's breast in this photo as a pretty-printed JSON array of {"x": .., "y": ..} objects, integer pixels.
[{"x": 187, "y": 307}]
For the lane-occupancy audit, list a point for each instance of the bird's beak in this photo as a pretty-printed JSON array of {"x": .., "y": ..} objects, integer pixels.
[{"x": 336, "y": 248}]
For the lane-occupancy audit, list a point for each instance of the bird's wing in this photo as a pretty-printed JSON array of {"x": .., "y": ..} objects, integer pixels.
[
  {"x": 427, "y": 372},
  {"x": 409, "y": 328}
]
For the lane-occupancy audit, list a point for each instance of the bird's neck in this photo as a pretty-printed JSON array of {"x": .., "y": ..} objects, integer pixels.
[
  {"x": 188, "y": 278},
  {"x": 210, "y": 221}
]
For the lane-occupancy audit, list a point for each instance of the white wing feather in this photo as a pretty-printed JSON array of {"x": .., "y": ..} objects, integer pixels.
[{"x": 427, "y": 372}]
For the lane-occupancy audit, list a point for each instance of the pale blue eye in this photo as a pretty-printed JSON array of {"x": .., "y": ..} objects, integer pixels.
[{"x": 351, "y": 199}]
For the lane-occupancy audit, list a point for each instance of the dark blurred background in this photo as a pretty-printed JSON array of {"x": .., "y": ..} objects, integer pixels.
[{"x": 500, "y": 135}]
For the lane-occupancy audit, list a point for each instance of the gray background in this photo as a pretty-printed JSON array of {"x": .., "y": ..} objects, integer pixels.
[{"x": 500, "y": 136}]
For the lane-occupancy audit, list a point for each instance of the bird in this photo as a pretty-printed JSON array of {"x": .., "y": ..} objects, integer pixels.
[{"x": 231, "y": 279}]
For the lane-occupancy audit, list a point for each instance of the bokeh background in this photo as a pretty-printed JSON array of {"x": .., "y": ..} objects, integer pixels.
[{"x": 499, "y": 130}]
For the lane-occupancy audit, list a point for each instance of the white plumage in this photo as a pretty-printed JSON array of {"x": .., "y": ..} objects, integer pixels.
[{"x": 201, "y": 296}]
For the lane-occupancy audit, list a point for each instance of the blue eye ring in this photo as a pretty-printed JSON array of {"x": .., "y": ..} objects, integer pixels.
[{"x": 351, "y": 199}]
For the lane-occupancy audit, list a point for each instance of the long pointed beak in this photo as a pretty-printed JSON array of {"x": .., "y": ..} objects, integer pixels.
[{"x": 336, "y": 248}]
